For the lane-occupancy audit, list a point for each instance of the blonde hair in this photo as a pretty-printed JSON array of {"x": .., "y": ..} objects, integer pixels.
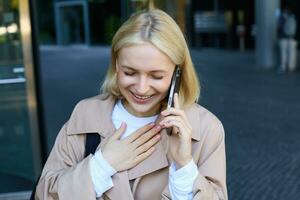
[{"x": 159, "y": 29}]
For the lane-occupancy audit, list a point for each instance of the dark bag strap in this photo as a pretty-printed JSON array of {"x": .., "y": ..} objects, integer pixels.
[
  {"x": 91, "y": 143},
  {"x": 33, "y": 191}
]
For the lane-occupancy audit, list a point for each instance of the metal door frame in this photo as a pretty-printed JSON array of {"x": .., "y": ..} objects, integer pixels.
[{"x": 26, "y": 26}]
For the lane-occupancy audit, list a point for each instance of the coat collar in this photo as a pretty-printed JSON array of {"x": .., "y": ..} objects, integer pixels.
[{"x": 92, "y": 115}]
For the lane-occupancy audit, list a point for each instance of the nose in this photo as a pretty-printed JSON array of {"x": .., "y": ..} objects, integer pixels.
[{"x": 142, "y": 85}]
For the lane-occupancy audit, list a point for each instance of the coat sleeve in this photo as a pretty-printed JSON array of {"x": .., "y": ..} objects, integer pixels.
[
  {"x": 66, "y": 175},
  {"x": 210, "y": 183},
  {"x": 211, "y": 180}
]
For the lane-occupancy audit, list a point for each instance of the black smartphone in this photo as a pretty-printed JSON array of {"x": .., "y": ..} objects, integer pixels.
[{"x": 174, "y": 88}]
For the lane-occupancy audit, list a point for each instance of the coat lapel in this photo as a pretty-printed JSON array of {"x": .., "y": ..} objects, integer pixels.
[
  {"x": 121, "y": 188},
  {"x": 154, "y": 162}
]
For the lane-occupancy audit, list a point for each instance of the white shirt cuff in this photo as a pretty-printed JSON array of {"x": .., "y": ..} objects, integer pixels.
[
  {"x": 181, "y": 181},
  {"x": 101, "y": 172}
]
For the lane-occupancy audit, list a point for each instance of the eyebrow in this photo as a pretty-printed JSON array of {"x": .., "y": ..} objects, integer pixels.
[{"x": 153, "y": 71}]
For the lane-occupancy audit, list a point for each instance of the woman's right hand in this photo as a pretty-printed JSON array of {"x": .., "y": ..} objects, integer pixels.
[{"x": 127, "y": 153}]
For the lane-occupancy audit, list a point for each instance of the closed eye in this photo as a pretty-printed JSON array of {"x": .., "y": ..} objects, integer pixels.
[
  {"x": 154, "y": 76},
  {"x": 129, "y": 73},
  {"x": 157, "y": 77}
]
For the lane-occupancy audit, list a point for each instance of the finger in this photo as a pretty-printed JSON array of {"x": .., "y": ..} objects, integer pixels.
[
  {"x": 119, "y": 131},
  {"x": 169, "y": 118},
  {"x": 140, "y": 132},
  {"x": 175, "y": 130},
  {"x": 176, "y": 101},
  {"x": 172, "y": 111},
  {"x": 147, "y": 145},
  {"x": 173, "y": 118},
  {"x": 145, "y": 137},
  {"x": 182, "y": 131},
  {"x": 173, "y": 124},
  {"x": 176, "y": 112},
  {"x": 144, "y": 155}
]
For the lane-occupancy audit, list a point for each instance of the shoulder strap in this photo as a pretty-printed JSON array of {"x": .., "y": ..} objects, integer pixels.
[
  {"x": 33, "y": 191},
  {"x": 91, "y": 143}
]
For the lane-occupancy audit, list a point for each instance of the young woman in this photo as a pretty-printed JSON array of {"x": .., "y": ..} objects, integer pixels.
[{"x": 136, "y": 159}]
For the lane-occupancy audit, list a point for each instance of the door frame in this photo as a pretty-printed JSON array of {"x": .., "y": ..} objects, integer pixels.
[{"x": 58, "y": 19}]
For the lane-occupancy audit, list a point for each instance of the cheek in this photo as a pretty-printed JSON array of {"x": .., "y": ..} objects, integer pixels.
[
  {"x": 163, "y": 86},
  {"x": 124, "y": 81}
]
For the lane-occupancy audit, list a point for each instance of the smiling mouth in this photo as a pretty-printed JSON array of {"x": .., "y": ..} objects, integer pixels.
[{"x": 142, "y": 98}]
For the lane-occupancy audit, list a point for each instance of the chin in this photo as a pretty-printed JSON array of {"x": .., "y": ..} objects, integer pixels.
[{"x": 143, "y": 110}]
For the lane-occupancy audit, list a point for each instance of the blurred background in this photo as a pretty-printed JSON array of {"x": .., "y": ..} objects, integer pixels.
[{"x": 54, "y": 53}]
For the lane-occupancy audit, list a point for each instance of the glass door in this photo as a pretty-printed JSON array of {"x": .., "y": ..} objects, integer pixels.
[{"x": 19, "y": 143}]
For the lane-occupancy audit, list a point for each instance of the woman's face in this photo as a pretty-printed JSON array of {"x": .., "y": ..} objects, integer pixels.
[{"x": 144, "y": 74}]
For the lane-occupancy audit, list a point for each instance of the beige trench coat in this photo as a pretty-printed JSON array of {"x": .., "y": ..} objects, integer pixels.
[{"x": 66, "y": 173}]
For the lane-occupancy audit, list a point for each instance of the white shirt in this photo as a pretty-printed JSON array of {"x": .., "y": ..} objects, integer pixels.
[
  {"x": 180, "y": 181},
  {"x": 120, "y": 114}
]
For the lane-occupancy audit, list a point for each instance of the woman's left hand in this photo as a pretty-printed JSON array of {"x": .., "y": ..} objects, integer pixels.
[{"x": 180, "y": 145}]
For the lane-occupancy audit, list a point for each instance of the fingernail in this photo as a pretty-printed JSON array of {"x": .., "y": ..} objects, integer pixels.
[
  {"x": 123, "y": 124},
  {"x": 158, "y": 127}
]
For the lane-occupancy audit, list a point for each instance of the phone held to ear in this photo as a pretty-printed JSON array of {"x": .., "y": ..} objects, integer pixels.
[{"x": 174, "y": 88}]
